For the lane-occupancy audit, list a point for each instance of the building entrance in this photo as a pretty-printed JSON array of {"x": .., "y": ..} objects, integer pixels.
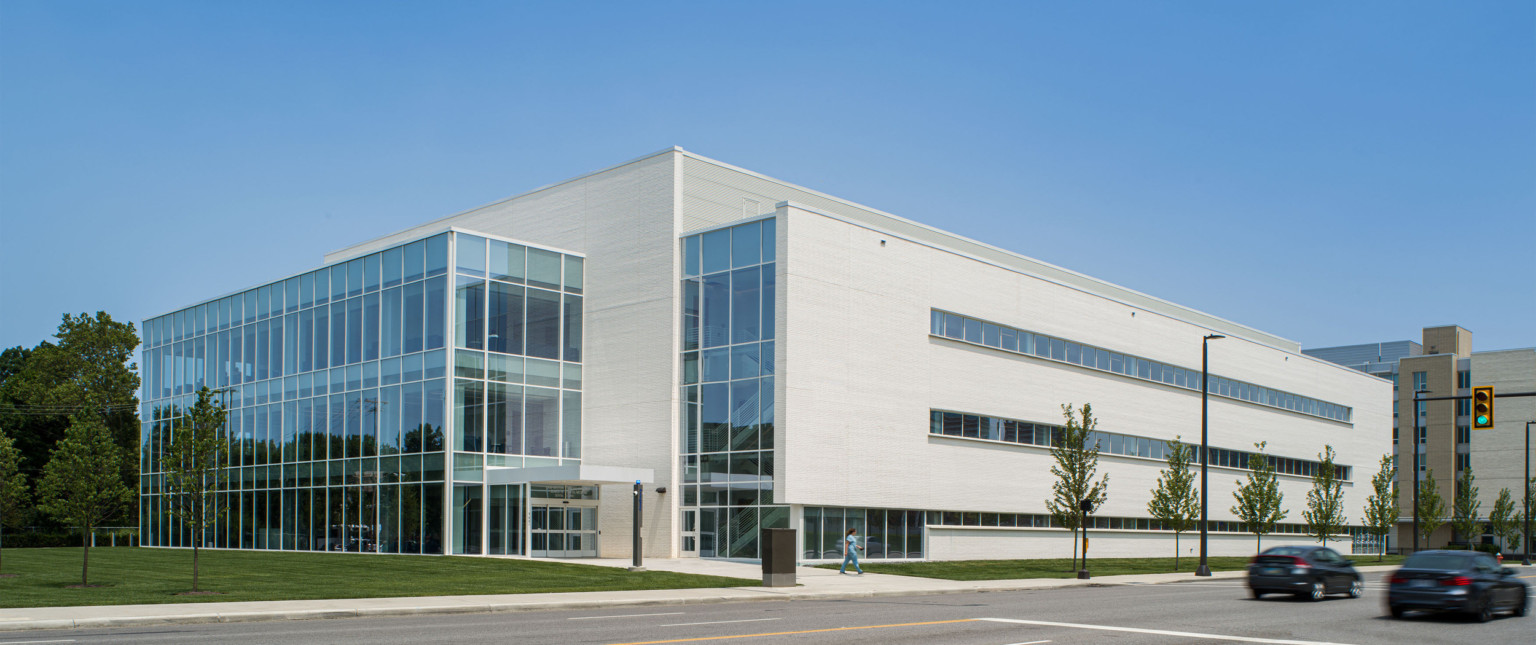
[
  {"x": 564, "y": 532},
  {"x": 562, "y": 521}
]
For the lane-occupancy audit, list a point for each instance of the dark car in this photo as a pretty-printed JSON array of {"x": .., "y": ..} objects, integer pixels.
[
  {"x": 1310, "y": 572},
  {"x": 1459, "y": 581}
]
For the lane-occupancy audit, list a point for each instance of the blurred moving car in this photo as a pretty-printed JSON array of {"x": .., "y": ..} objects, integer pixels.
[
  {"x": 1460, "y": 581},
  {"x": 1309, "y": 572}
]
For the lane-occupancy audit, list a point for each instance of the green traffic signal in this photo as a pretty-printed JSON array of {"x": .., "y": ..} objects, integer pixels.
[{"x": 1482, "y": 407}]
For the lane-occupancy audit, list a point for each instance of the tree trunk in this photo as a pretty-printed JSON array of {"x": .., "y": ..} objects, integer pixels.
[
  {"x": 1175, "y": 551},
  {"x": 1258, "y": 541},
  {"x": 194, "y": 567},
  {"x": 1074, "y": 548},
  {"x": 85, "y": 564}
]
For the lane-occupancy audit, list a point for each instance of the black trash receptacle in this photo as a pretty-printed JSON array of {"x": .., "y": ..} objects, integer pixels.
[{"x": 778, "y": 557}]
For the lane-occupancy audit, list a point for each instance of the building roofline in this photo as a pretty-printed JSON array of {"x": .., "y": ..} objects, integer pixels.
[
  {"x": 941, "y": 235},
  {"x": 350, "y": 250}
]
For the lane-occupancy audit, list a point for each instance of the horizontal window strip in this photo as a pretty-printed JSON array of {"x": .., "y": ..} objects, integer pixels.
[
  {"x": 963, "y": 519},
  {"x": 977, "y": 426},
  {"x": 978, "y": 332}
]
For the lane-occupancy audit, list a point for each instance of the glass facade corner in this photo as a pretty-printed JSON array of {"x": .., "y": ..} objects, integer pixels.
[
  {"x": 728, "y": 434},
  {"x": 362, "y": 394}
]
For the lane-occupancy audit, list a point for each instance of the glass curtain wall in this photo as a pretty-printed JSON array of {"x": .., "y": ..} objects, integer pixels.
[
  {"x": 887, "y": 534},
  {"x": 517, "y": 371},
  {"x": 336, "y": 384},
  {"x": 727, "y": 392}
]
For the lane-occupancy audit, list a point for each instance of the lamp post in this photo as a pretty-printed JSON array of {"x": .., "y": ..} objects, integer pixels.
[
  {"x": 1086, "y": 506},
  {"x": 1414, "y": 466},
  {"x": 1526, "y": 484},
  {"x": 1205, "y": 450}
]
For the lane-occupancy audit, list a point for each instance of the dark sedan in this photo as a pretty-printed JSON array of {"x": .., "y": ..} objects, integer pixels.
[
  {"x": 1459, "y": 581},
  {"x": 1310, "y": 572}
]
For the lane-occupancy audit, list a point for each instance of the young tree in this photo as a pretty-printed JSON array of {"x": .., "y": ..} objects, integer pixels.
[
  {"x": 1077, "y": 464},
  {"x": 13, "y": 487},
  {"x": 1176, "y": 501},
  {"x": 1259, "y": 499},
  {"x": 193, "y": 472},
  {"x": 1431, "y": 506},
  {"x": 81, "y": 484},
  {"x": 1504, "y": 521},
  {"x": 1381, "y": 508},
  {"x": 1464, "y": 508},
  {"x": 1325, "y": 502}
]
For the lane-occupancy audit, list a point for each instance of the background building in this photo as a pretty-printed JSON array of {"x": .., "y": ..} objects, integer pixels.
[
  {"x": 759, "y": 354},
  {"x": 1445, "y": 365}
]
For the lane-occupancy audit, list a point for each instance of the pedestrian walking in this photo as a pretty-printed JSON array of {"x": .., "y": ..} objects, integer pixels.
[{"x": 851, "y": 549}]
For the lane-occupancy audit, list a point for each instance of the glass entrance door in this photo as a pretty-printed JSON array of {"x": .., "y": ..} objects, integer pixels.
[
  {"x": 563, "y": 531},
  {"x": 690, "y": 532}
]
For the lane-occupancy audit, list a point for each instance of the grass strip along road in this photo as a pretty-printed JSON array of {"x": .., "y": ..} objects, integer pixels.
[
  {"x": 133, "y": 576},
  {"x": 1062, "y": 567}
]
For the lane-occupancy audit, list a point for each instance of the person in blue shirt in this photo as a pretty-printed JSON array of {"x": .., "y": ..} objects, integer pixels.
[{"x": 851, "y": 551}]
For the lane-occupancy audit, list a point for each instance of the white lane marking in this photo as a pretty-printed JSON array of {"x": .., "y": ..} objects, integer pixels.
[
  {"x": 1368, "y": 585},
  {"x": 670, "y": 613},
  {"x": 721, "y": 622},
  {"x": 1159, "y": 632},
  {"x": 1031, "y": 643},
  {"x": 30, "y": 642}
]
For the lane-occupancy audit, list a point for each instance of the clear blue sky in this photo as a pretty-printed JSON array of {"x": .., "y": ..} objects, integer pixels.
[{"x": 1330, "y": 172}]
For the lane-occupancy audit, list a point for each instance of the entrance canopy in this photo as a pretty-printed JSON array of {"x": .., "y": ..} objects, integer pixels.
[{"x": 569, "y": 474}]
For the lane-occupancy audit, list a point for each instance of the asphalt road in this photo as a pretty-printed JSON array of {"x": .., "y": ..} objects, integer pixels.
[{"x": 1194, "y": 612}]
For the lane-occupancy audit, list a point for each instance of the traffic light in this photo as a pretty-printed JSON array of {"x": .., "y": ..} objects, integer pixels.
[{"x": 1482, "y": 407}]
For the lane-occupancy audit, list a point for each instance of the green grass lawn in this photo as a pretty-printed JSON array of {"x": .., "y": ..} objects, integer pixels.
[
  {"x": 151, "y": 576},
  {"x": 1061, "y": 568}
]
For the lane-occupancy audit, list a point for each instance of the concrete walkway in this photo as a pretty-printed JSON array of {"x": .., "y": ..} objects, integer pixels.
[{"x": 815, "y": 584}]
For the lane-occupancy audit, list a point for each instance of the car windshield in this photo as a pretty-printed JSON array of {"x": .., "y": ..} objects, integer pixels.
[
  {"x": 1285, "y": 550},
  {"x": 1443, "y": 561}
]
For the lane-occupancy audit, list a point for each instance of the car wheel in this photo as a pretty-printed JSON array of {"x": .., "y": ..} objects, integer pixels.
[
  {"x": 1397, "y": 612},
  {"x": 1356, "y": 588},
  {"x": 1257, "y": 595},
  {"x": 1520, "y": 606},
  {"x": 1484, "y": 610},
  {"x": 1318, "y": 591}
]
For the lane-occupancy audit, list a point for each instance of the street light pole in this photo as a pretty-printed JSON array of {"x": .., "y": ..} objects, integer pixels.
[
  {"x": 1415, "y": 467},
  {"x": 1205, "y": 450},
  {"x": 1526, "y": 484}
]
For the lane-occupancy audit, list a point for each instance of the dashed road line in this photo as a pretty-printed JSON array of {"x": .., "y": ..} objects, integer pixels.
[
  {"x": 803, "y": 631},
  {"x": 1158, "y": 632},
  {"x": 723, "y": 622},
  {"x": 669, "y": 613}
]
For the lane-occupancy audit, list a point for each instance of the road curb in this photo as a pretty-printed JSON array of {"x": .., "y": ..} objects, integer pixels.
[{"x": 758, "y": 595}]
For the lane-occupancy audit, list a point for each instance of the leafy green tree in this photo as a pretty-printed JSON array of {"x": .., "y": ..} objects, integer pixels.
[
  {"x": 86, "y": 371},
  {"x": 1259, "y": 500},
  {"x": 1381, "y": 508},
  {"x": 1176, "y": 501},
  {"x": 1325, "y": 502},
  {"x": 193, "y": 469},
  {"x": 13, "y": 486},
  {"x": 1464, "y": 508},
  {"x": 1076, "y": 470},
  {"x": 33, "y": 431},
  {"x": 1504, "y": 521},
  {"x": 81, "y": 485},
  {"x": 1431, "y": 506}
]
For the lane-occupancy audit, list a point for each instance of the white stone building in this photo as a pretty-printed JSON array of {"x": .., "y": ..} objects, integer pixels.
[{"x": 766, "y": 355}]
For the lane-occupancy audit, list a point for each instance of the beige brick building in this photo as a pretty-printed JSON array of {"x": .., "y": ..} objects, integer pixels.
[{"x": 1445, "y": 365}]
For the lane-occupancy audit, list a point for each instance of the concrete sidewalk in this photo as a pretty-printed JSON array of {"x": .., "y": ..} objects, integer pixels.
[{"x": 815, "y": 584}]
